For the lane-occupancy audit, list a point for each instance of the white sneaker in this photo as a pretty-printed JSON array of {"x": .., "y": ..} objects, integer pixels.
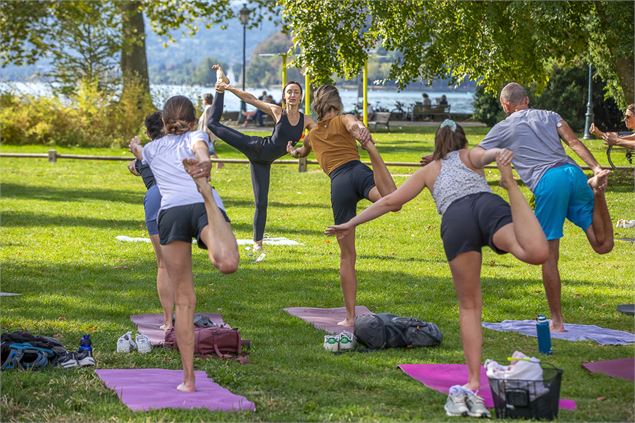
[
  {"x": 143, "y": 344},
  {"x": 346, "y": 341},
  {"x": 331, "y": 343},
  {"x": 125, "y": 343}
]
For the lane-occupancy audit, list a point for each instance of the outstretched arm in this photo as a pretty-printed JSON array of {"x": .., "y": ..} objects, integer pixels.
[
  {"x": 568, "y": 136},
  {"x": 357, "y": 129},
  {"x": 480, "y": 157},
  {"x": 272, "y": 110},
  {"x": 391, "y": 202},
  {"x": 136, "y": 148},
  {"x": 302, "y": 151},
  {"x": 611, "y": 138}
]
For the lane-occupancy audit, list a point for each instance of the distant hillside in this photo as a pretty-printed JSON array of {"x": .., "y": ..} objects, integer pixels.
[{"x": 179, "y": 59}]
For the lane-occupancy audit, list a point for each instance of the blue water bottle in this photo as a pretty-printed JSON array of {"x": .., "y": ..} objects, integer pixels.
[
  {"x": 544, "y": 334},
  {"x": 85, "y": 344}
]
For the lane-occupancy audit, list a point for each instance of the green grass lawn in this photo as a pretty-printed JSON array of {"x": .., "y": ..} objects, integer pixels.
[{"x": 59, "y": 223}]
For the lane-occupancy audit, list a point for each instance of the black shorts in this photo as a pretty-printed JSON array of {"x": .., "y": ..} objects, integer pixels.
[
  {"x": 350, "y": 183},
  {"x": 471, "y": 222},
  {"x": 182, "y": 223}
]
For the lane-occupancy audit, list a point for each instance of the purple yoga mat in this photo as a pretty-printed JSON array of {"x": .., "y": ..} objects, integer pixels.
[
  {"x": 147, "y": 389},
  {"x": 623, "y": 368},
  {"x": 441, "y": 377},
  {"x": 150, "y": 325},
  {"x": 325, "y": 318}
]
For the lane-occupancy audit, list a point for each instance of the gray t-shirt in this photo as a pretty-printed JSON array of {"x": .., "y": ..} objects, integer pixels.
[{"x": 532, "y": 135}]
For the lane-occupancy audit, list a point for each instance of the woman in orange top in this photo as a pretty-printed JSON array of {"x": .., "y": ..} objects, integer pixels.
[{"x": 333, "y": 140}]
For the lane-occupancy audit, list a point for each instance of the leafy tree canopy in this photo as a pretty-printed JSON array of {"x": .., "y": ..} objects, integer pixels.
[{"x": 490, "y": 41}]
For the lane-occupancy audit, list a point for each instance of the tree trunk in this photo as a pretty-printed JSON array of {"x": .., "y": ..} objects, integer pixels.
[
  {"x": 626, "y": 74},
  {"x": 134, "y": 62}
]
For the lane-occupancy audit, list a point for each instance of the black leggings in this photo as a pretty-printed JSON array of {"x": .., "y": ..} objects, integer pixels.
[{"x": 252, "y": 148}]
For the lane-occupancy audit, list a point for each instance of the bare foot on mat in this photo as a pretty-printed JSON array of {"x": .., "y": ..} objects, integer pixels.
[{"x": 186, "y": 388}]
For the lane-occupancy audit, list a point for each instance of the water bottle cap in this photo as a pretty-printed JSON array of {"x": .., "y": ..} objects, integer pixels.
[{"x": 541, "y": 317}]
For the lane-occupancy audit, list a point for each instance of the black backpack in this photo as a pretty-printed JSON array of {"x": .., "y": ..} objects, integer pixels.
[
  {"x": 21, "y": 350},
  {"x": 384, "y": 330}
]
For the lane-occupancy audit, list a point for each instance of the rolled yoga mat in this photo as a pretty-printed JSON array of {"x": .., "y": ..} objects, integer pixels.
[
  {"x": 148, "y": 389},
  {"x": 326, "y": 318}
]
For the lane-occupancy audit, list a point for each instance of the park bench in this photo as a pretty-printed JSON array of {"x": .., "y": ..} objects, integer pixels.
[
  {"x": 420, "y": 112},
  {"x": 381, "y": 118}
]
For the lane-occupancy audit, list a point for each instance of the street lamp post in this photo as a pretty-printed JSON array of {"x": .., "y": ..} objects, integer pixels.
[
  {"x": 589, "y": 109},
  {"x": 244, "y": 20}
]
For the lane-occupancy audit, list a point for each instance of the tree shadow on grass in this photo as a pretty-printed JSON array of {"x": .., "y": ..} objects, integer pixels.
[
  {"x": 75, "y": 194},
  {"x": 28, "y": 219}
]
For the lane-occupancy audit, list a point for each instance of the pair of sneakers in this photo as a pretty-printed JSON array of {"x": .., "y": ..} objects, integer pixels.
[
  {"x": 81, "y": 358},
  {"x": 141, "y": 343},
  {"x": 256, "y": 253},
  {"x": 464, "y": 402},
  {"x": 345, "y": 341}
]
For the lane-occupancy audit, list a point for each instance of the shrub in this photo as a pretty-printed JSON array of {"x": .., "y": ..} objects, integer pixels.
[{"x": 89, "y": 118}]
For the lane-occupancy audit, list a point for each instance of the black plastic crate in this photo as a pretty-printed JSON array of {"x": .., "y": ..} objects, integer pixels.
[{"x": 528, "y": 399}]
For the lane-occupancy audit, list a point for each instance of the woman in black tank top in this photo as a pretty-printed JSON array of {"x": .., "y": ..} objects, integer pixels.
[{"x": 261, "y": 151}]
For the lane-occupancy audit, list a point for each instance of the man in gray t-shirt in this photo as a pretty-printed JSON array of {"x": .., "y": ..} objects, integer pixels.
[{"x": 561, "y": 190}]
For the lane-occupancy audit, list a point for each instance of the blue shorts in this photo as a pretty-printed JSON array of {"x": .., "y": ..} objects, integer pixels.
[
  {"x": 562, "y": 193},
  {"x": 151, "y": 205}
]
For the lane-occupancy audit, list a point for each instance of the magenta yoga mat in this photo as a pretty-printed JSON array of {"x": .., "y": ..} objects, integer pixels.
[
  {"x": 148, "y": 389},
  {"x": 150, "y": 325},
  {"x": 441, "y": 377},
  {"x": 623, "y": 368},
  {"x": 325, "y": 318}
]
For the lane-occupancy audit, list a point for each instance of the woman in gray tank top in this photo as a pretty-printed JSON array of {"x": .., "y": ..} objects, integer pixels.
[{"x": 472, "y": 217}]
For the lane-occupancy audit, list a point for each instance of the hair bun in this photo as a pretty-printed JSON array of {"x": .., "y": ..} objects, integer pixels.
[{"x": 177, "y": 127}]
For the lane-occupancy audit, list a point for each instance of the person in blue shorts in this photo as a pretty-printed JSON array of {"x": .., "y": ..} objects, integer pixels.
[
  {"x": 561, "y": 190},
  {"x": 151, "y": 204}
]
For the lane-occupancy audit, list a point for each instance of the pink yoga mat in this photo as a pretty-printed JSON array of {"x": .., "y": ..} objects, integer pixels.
[
  {"x": 147, "y": 389},
  {"x": 441, "y": 377},
  {"x": 325, "y": 318},
  {"x": 150, "y": 325},
  {"x": 623, "y": 368}
]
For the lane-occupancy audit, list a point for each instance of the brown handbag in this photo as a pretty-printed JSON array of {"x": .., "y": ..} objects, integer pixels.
[{"x": 221, "y": 342}]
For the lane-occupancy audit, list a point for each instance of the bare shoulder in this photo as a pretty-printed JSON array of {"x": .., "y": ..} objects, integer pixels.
[{"x": 465, "y": 158}]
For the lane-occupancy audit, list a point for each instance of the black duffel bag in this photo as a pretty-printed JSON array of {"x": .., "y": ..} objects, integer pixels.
[{"x": 384, "y": 330}]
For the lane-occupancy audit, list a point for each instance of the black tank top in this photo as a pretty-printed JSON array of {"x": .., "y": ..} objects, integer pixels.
[{"x": 283, "y": 132}]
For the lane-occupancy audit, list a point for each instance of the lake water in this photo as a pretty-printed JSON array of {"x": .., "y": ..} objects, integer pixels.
[{"x": 461, "y": 102}]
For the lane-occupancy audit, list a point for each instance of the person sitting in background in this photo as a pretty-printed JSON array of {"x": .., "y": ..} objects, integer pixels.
[
  {"x": 427, "y": 103},
  {"x": 202, "y": 126},
  {"x": 613, "y": 138},
  {"x": 443, "y": 102},
  {"x": 259, "y": 113}
]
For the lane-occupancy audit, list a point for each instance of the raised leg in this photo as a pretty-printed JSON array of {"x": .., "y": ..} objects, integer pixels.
[
  {"x": 466, "y": 273},
  {"x": 384, "y": 184},
  {"x": 217, "y": 235},
  {"x": 165, "y": 288},
  {"x": 348, "y": 280},
  {"x": 600, "y": 233},
  {"x": 178, "y": 261},
  {"x": 524, "y": 237},
  {"x": 260, "y": 180}
]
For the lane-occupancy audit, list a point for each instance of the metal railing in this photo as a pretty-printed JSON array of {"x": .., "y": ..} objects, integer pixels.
[{"x": 302, "y": 163}]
